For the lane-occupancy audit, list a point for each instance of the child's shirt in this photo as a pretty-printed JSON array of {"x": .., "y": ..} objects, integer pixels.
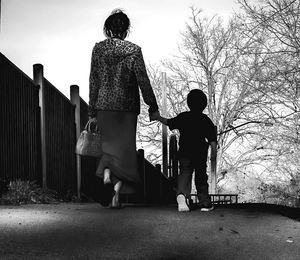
[{"x": 196, "y": 131}]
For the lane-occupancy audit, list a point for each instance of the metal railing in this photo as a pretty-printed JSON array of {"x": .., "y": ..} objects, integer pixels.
[{"x": 218, "y": 199}]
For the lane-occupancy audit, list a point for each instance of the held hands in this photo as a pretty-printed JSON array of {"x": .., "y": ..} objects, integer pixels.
[{"x": 154, "y": 116}]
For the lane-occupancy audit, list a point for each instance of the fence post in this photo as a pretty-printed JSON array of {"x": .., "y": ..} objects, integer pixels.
[
  {"x": 75, "y": 100},
  {"x": 158, "y": 169},
  {"x": 213, "y": 177},
  {"x": 141, "y": 161},
  {"x": 213, "y": 180},
  {"x": 173, "y": 161},
  {"x": 164, "y": 127},
  {"x": 38, "y": 78}
]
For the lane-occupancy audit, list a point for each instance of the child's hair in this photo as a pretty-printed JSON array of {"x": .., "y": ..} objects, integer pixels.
[{"x": 196, "y": 100}]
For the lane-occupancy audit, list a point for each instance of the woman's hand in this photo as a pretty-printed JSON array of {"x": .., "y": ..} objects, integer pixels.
[{"x": 154, "y": 116}]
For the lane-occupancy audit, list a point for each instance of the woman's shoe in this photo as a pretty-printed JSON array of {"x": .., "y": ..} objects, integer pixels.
[
  {"x": 115, "y": 204},
  {"x": 106, "y": 178}
]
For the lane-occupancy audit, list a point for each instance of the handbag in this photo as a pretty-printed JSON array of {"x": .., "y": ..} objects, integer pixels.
[{"x": 88, "y": 143}]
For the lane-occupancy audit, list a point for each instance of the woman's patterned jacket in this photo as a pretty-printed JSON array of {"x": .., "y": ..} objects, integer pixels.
[{"x": 117, "y": 72}]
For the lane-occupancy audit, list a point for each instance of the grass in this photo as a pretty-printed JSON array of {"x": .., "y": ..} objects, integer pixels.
[{"x": 19, "y": 192}]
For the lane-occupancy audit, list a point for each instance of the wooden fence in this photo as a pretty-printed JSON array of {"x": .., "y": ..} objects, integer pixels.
[
  {"x": 20, "y": 124},
  {"x": 38, "y": 131}
]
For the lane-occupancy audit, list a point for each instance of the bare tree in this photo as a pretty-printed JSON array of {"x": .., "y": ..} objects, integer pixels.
[
  {"x": 212, "y": 57},
  {"x": 249, "y": 69},
  {"x": 275, "y": 26}
]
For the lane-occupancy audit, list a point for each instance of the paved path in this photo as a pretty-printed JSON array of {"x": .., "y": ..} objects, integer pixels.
[{"x": 88, "y": 231}]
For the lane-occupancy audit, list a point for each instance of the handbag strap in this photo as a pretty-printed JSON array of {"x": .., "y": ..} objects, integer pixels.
[{"x": 88, "y": 126}]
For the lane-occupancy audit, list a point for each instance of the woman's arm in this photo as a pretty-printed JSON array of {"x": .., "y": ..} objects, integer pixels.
[
  {"x": 93, "y": 89},
  {"x": 144, "y": 82}
]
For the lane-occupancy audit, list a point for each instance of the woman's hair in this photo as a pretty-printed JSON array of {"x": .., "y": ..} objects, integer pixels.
[
  {"x": 196, "y": 100},
  {"x": 117, "y": 24}
]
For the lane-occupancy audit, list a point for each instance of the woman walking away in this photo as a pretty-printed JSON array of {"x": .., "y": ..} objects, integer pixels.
[{"x": 117, "y": 72}]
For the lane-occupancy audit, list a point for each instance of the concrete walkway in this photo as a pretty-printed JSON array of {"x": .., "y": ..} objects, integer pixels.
[{"x": 89, "y": 231}]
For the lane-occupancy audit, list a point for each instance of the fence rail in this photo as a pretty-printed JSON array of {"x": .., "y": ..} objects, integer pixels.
[{"x": 218, "y": 199}]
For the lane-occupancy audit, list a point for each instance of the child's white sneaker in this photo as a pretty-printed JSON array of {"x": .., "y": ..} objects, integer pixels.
[{"x": 182, "y": 205}]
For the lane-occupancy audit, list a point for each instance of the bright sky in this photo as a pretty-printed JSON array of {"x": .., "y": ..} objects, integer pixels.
[{"x": 60, "y": 34}]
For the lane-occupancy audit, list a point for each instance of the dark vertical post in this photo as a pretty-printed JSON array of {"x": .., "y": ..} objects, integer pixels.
[
  {"x": 173, "y": 161},
  {"x": 164, "y": 127},
  {"x": 141, "y": 160},
  {"x": 75, "y": 100},
  {"x": 0, "y": 15},
  {"x": 213, "y": 177},
  {"x": 158, "y": 169},
  {"x": 38, "y": 77}
]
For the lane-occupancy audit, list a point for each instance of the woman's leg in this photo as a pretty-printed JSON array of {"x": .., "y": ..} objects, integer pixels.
[{"x": 115, "y": 200}]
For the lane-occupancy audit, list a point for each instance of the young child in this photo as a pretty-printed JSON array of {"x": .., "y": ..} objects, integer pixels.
[{"x": 197, "y": 133}]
